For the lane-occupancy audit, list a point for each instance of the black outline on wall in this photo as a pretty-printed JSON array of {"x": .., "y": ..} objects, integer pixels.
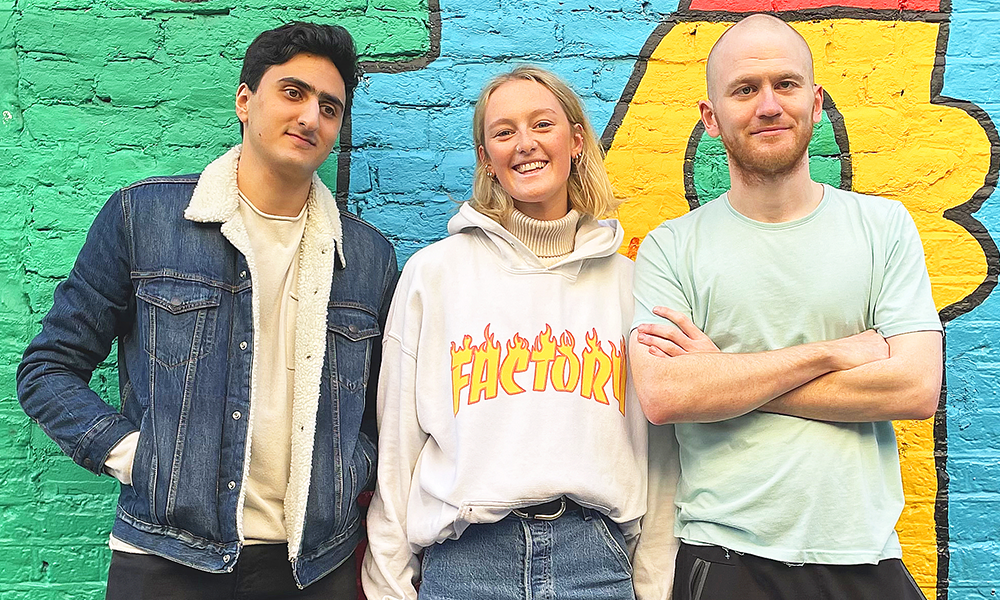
[
  {"x": 961, "y": 214},
  {"x": 415, "y": 64}
]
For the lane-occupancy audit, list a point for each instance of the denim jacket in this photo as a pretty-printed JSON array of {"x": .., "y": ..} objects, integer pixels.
[{"x": 167, "y": 270}]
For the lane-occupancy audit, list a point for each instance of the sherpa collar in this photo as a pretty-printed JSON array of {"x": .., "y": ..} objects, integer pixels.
[{"x": 216, "y": 199}]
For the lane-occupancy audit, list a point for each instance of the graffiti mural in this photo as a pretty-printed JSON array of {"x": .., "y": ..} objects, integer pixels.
[{"x": 95, "y": 95}]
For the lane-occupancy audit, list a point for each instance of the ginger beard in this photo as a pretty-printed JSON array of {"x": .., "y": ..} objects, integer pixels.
[{"x": 762, "y": 159}]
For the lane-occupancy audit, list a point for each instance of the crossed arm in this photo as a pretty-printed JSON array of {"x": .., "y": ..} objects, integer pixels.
[{"x": 681, "y": 376}]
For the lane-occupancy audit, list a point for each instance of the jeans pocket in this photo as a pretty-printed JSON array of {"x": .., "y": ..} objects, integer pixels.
[{"x": 614, "y": 539}]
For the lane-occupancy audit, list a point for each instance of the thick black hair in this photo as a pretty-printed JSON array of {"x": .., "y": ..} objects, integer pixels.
[{"x": 278, "y": 46}]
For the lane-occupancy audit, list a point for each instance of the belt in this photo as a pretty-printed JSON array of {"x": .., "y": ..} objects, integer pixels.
[{"x": 547, "y": 511}]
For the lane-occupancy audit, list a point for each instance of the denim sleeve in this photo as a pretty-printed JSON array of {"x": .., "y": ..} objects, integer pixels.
[{"x": 90, "y": 308}]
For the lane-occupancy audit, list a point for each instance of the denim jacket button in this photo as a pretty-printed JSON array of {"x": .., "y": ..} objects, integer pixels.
[
  {"x": 243, "y": 274},
  {"x": 236, "y": 415},
  {"x": 175, "y": 302},
  {"x": 232, "y": 485},
  {"x": 225, "y": 558},
  {"x": 243, "y": 345},
  {"x": 352, "y": 328}
]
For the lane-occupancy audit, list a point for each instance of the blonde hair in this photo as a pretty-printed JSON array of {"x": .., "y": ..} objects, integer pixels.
[{"x": 590, "y": 190}]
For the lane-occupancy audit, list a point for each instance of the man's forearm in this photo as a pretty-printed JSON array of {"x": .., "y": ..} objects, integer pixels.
[
  {"x": 905, "y": 386},
  {"x": 713, "y": 386}
]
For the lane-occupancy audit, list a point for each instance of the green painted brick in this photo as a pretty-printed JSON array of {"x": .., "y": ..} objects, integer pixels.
[
  {"x": 342, "y": 6},
  {"x": 18, "y": 565},
  {"x": 65, "y": 478},
  {"x": 39, "y": 291},
  {"x": 823, "y": 142},
  {"x": 49, "y": 80},
  {"x": 68, "y": 565},
  {"x": 16, "y": 489},
  {"x": 183, "y": 131},
  {"x": 55, "y": 252},
  {"x": 386, "y": 37},
  {"x": 8, "y": 403},
  {"x": 66, "y": 122},
  {"x": 87, "y": 35},
  {"x": 63, "y": 209},
  {"x": 10, "y": 110},
  {"x": 15, "y": 428},
  {"x": 13, "y": 309},
  {"x": 825, "y": 169},
  {"x": 49, "y": 591},
  {"x": 77, "y": 520},
  {"x": 211, "y": 97},
  {"x": 200, "y": 36},
  {"x": 398, "y": 6},
  {"x": 41, "y": 445},
  {"x": 136, "y": 83}
]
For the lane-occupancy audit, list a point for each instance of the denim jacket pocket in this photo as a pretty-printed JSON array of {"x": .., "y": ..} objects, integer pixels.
[
  {"x": 351, "y": 330},
  {"x": 180, "y": 316}
]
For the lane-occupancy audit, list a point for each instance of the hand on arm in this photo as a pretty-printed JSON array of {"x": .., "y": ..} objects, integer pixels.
[{"x": 680, "y": 376}]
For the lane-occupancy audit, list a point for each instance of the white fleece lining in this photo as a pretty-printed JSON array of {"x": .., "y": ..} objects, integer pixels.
[{"x": 216, "y": 200}]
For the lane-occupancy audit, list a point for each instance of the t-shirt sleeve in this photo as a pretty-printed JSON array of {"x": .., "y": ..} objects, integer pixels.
[
  {"x": 904, "y": 303},
  {"x": 655, "y": 281}
]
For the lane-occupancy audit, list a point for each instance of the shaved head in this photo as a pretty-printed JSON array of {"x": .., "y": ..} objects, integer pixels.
[{"x": 753, "y": 34}]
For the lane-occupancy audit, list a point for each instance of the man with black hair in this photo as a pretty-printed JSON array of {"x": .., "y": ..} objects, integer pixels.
[{"x": 248, "y": 312}]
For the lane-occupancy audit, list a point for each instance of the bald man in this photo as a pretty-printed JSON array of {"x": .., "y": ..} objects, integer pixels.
[{"x": 782, "y": 327}]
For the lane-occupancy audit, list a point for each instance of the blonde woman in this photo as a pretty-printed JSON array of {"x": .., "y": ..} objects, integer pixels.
[{"x": 512, "y": 453}]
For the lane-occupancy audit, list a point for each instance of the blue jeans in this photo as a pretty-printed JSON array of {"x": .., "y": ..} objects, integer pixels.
[{"x": 579, "y": 556}]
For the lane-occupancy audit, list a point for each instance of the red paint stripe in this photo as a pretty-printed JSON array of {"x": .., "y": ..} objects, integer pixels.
[{"x": 740, "y": 6}]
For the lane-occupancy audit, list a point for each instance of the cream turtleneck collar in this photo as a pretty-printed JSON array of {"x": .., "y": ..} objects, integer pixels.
[{"x": 550, "y": 241}]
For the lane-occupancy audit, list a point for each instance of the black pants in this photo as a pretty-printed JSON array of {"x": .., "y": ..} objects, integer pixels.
[
  {"x": 262, "y": 573},
  {"x": 714, "y": 573}
]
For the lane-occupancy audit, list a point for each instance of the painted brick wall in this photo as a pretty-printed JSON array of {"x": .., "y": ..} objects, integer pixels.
[{"x": 94, "y": 95}]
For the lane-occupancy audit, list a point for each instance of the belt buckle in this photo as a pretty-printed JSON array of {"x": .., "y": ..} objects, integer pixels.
[{"x": 551, "y": 517}]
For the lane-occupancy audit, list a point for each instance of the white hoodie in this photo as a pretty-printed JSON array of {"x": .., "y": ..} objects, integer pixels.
[{"x": 503, "y": 385}]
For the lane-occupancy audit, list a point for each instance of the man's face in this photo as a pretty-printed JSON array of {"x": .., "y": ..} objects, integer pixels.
[
  {"x": 292, "y": 121},
  {"x": 763, "y": 102}
]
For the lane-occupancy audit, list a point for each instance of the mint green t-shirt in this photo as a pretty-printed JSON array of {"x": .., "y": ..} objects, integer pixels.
[{"x": 780, "y": 487}]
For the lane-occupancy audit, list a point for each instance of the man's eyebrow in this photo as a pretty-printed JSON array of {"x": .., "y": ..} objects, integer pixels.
[
  {"x": 323, "y": 96},
  {"x": 793, "y": 75},
  {"x": 754, "y": 78}
]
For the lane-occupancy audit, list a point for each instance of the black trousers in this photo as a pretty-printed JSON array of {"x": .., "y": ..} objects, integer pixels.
[
  {"x": 261, "y": 573},
  {"x": 714, "y": 573}
]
